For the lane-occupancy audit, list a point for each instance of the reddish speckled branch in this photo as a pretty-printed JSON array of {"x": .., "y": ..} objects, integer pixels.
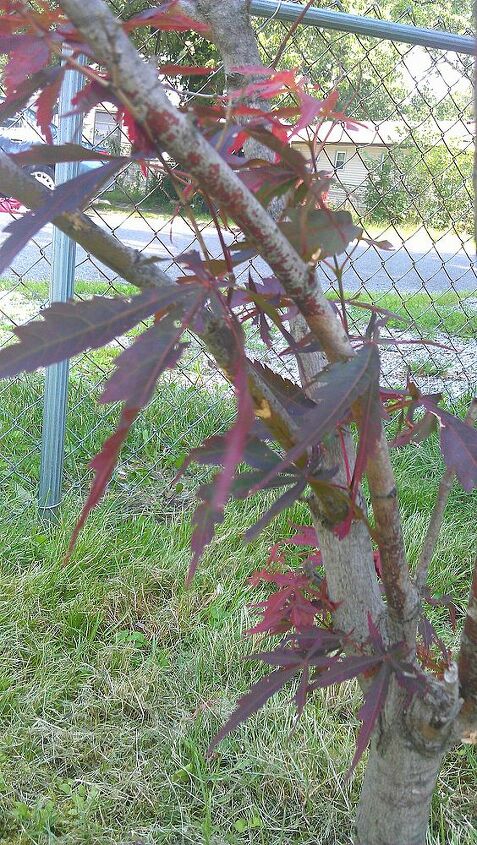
[{"x": 136, "y": 84}]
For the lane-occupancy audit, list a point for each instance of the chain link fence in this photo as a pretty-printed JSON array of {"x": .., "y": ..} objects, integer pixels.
[{"x": 405, "y": 172}]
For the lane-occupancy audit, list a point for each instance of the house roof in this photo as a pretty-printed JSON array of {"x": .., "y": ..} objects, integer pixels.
[{"x": 384, "y": 133}]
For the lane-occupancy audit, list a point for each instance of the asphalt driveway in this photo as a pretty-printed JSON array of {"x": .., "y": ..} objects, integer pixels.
[{"x": 414, "y": 265}]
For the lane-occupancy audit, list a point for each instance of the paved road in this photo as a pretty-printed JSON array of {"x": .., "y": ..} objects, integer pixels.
[{"x": 416, "y": 262}]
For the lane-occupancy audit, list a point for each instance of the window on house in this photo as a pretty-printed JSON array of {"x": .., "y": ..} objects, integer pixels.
[
  {"x": 105, "y": 126},
  {"x": 340, "y": 160}
]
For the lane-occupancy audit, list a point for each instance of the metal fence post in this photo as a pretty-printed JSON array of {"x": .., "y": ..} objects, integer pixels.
[
  {"x": 364, "y": 25},
  {"x": 61, "y": 289}
]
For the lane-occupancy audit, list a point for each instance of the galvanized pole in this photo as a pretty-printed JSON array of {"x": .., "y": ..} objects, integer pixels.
[
  {"x": 61, "y": 289},
  {"x": 435, "y": 39}
]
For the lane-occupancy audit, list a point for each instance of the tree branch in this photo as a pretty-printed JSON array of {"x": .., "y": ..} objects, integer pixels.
[
  {"x": 401, "y": 595},
  {"x": 126, "y": 262},
  {"x": 437, "y": 516},
  {"x": 131, "y": 266},
  {"x": 344, "y": 579},
  {"x": 468, "y": 645},
  {"x": 349, "y": 564},
  {"x": 231, "y": 32},
  {"x": 468, "y": 667},
  {"x": 136, "y": 84}
]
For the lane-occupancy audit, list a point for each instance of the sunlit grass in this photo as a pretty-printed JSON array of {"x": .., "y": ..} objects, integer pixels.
[
  {"x": 439, "y": 315},
  {"x": 114, "y": 677},
  {"x": 444, "y": 314}
]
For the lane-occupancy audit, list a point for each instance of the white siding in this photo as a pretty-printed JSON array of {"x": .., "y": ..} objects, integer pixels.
[
  {"x": 100, "y": 123},
  {"x": 350, "y": 181}
]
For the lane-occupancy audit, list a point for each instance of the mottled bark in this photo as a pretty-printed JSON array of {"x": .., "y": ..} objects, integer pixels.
[
  {"x": 396, "y": 795},
  {"x": 404, "y": 761},
  {"x": 135, "y": 83},
  {"x": 399, "y": 779},
  {"x": 348, "y": 564},
  {"x": 403, "y": 765},
  {"x": 401, "y": 595}
]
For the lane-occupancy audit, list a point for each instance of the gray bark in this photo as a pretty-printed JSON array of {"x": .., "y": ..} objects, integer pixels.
[
  {"x": 348, "y": 568},
  {"x": 404, "y": 761},
  {"x": 396, "y": 794},
  {"x": 348, "y": 563},
  {"x": 400, "y": 778}
]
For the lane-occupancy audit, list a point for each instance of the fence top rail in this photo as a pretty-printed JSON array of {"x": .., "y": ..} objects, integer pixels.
[{"x": 360, "y": 25}]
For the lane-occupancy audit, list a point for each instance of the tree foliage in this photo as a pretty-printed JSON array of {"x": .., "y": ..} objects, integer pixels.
[{"x": 430, "y": 181}]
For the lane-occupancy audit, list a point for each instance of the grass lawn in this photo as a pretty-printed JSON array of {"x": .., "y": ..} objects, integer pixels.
[
  {"x": 384, "y": 230},
  {"x": 33, "y": 289},
  {"x": 449, "y": 314},
  {"x": 118, "y": 201},
  {"x": 443, "y": 314},
  {"x": 114, "y": 677}
]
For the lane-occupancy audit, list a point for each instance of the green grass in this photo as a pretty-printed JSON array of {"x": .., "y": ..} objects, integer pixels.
[
  {"x": 386, "y": 230},
  {"x": 114, "y": 677},
  {"x": 39, "y": 289},
  {"x": 444, "y": 314},
  {"x": 116, "y": 201}
]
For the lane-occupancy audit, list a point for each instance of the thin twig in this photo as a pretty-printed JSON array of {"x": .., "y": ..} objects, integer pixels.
[
  {"x": 338, "y": 271},
  {"x": 186, "y": 207},
  {"x": 468, "y": 668},
  {"x": 437, "y": 516},
  {"x": 289, "y": 34}
]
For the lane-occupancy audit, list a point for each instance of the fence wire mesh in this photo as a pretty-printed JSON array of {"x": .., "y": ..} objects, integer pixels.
[{"x": 405, "y": 172}]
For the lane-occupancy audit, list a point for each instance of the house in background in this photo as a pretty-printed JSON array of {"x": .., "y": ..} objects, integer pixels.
[
  {"x": 352, "y": 154},
  {"x": 100, "y": 125}
]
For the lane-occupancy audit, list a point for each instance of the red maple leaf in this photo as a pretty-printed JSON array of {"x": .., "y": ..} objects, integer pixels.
[{"x": 294, "y": 605}]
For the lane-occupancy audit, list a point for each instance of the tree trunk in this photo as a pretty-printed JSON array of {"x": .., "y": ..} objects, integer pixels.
[
  {"x": 397, "y": 791},
  {"x": 405, "y": 756}
]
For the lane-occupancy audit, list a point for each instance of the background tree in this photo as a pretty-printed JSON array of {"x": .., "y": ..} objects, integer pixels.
[
  {"x": 430, "y": 182},
  {"x": 336, "y": 55},
  {"x": 370, "y": 73},
  {"x": 356, "y": 612}
]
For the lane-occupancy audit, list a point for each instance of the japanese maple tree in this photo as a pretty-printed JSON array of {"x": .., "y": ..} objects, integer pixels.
[{"x": 352, "y": 609}]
